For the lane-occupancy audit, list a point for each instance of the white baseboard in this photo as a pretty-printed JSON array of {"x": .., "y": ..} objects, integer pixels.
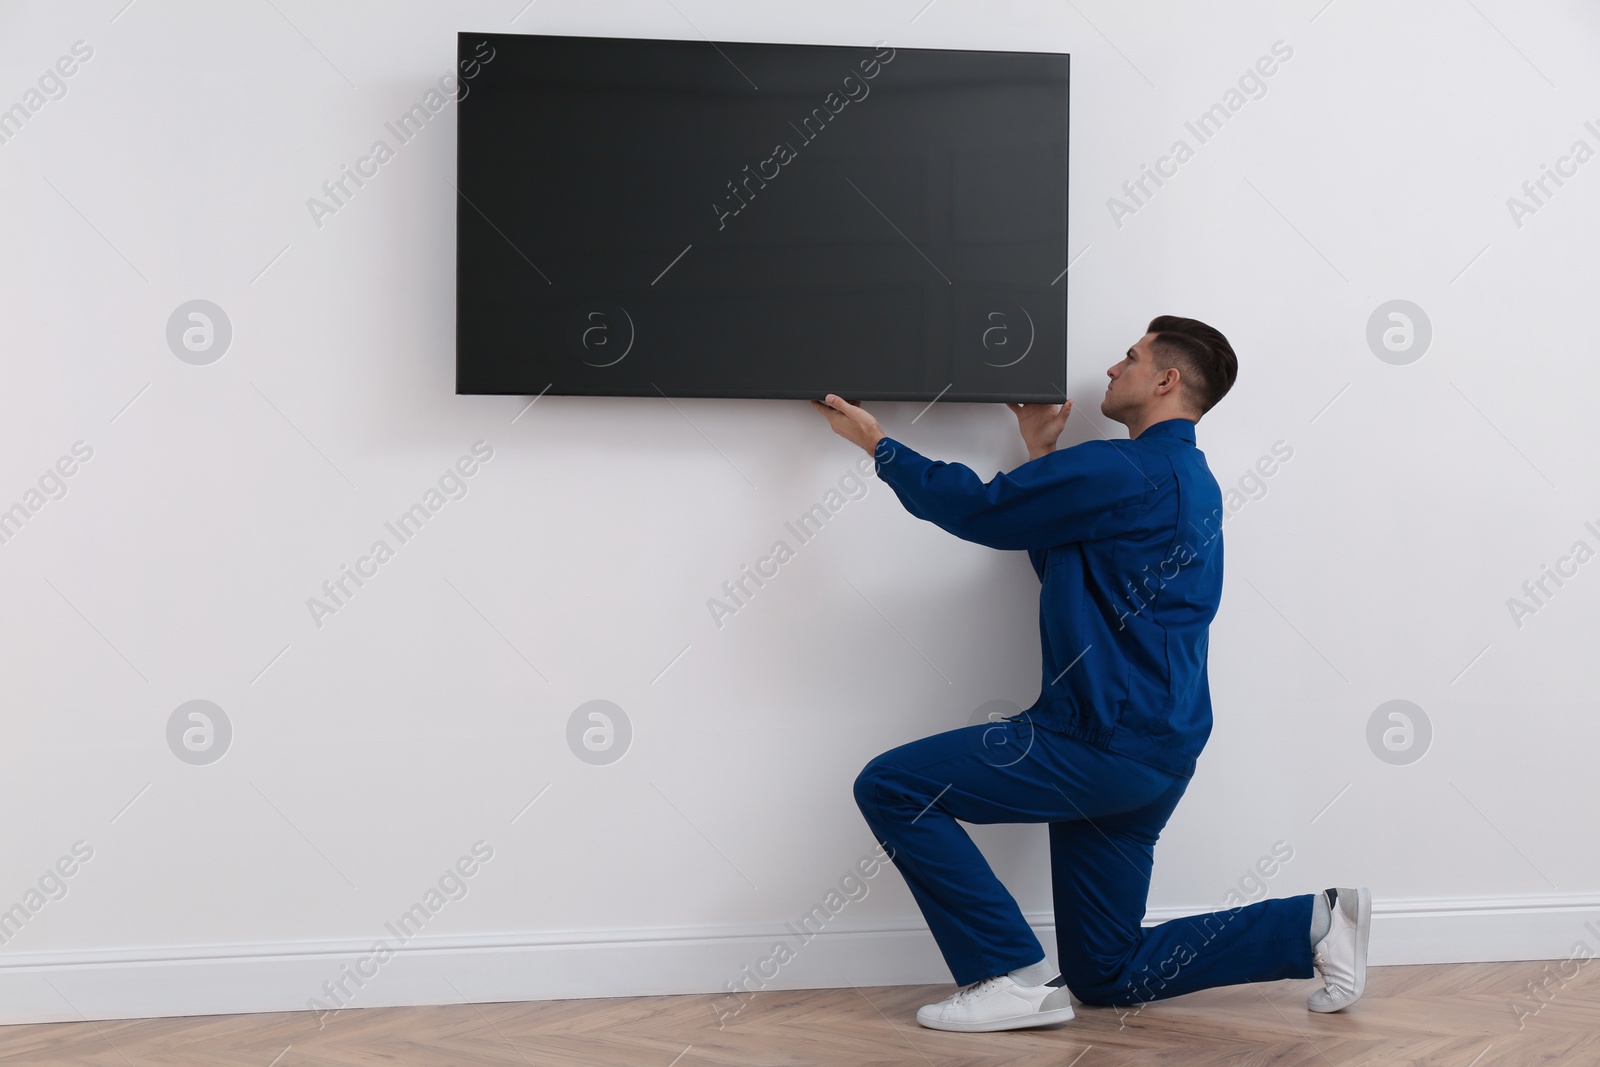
[{"x": 213, "y": 980}]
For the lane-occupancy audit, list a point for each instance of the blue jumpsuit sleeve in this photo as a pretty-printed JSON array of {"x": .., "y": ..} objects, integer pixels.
[{"x": 1087, "y": 492}]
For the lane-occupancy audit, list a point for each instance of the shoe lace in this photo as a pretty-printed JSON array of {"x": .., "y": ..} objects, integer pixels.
[
  {"x": 1319, "y": 960},
  {"x": 976, "y": 989}
]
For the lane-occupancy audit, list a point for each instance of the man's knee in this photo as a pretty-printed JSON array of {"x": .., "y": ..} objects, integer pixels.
[
  {"x": 1087, "y": 989},
  {"x": 866, "y": 787},
  {"x": 1100, "y": 985},
  {"x": 1097, "y": 995},
  {"x": 884, "y": 785}
]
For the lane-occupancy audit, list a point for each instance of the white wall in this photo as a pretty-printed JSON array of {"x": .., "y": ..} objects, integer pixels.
[{"x": 371, "y": 753}]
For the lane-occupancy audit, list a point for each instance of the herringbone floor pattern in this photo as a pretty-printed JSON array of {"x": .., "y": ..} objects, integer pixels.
[{"x": 1466, "y": 1015}]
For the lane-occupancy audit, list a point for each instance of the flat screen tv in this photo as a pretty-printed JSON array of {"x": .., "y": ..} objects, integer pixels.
[{"x": 775, "y": 221}]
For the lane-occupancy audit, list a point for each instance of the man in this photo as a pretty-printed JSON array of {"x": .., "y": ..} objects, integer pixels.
[{"x": 1126, "y": 538}]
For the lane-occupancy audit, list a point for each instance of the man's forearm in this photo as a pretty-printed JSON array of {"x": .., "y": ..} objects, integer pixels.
[{"x": 1042, "y": 450}]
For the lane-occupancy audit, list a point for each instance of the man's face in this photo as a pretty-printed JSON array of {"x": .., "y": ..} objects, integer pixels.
[{"x": 1132, "y": 384}]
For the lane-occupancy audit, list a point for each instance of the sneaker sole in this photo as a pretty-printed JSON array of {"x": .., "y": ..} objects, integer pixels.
[
  {"x": 1019, "y": 1022},
  {"x": 1363, "y": 933}
]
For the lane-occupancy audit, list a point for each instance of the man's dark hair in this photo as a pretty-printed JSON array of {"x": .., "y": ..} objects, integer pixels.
[{"x": 1202, "y": 355}]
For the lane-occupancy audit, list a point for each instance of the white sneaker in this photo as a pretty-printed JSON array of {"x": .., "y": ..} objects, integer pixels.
[
  {"x": 998, "y": 1003},
  {"x": 1341, "y": 956}
]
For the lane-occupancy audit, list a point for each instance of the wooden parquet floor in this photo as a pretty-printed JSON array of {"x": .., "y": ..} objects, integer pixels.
[{"x": 1463, "y": 1015}]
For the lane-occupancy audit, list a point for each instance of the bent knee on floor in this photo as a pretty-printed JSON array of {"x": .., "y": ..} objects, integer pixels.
[
  {"x": 1101, "y": 987},
  {"x": 1097, "y": 996}
]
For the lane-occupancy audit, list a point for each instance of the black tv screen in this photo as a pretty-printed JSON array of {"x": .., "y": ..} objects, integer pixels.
[{"x": 720, "y": 219}]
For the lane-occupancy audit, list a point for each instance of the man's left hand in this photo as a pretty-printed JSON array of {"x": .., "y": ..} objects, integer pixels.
[{"x": 851, "y": 422}]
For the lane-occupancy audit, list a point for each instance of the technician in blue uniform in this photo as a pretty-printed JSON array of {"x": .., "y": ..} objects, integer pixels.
[{"x": 1126, "y": 537}]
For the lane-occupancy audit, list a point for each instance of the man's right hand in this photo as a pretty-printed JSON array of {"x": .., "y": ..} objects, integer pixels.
[{"x": 1041, "y": 424}]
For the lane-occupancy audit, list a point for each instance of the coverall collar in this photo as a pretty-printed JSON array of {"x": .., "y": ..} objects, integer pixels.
[{"x": 1181, "y": 428}]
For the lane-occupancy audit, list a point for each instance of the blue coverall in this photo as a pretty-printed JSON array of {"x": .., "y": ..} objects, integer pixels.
[{"x": 1126, "y": 537}]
